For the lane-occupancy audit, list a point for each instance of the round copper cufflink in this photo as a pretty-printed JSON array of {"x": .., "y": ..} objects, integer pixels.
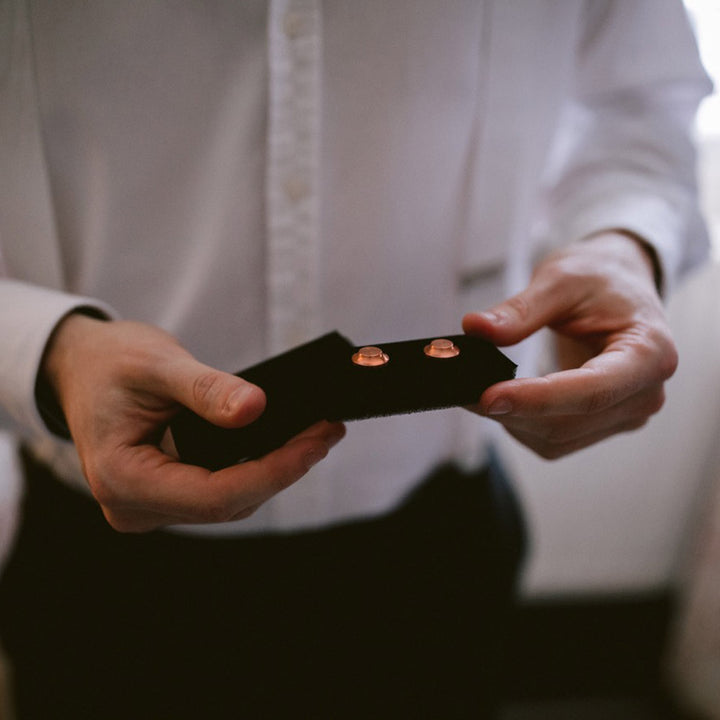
[
  {"x": 370, "y": 356},
  {"x": 442, "y": 348}
]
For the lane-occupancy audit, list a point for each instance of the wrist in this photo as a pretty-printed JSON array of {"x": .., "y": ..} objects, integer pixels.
[
  {"x": 634, "y": 251},
  {"x": 57, "y": 360},
  {"x": 64, "y": 339}
]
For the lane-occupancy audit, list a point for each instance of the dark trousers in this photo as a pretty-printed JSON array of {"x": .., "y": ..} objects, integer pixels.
[{"x": 400, "y": 617}]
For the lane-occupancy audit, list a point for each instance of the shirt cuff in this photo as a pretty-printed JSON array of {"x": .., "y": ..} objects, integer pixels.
[
  {"x": 670, "y": 227},
  {"x": 28, "y": 316}
]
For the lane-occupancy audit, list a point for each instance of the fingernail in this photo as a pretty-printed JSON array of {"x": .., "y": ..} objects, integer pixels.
[
  {"x": 495, "y": 317},
  {"x": 501, "y": 406},
  {"x": 237, "y": 398}
]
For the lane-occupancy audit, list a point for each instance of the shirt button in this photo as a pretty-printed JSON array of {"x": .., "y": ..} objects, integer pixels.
[
  {"x": 293, "y": 24},
  {"x": 296, "y": 188}
]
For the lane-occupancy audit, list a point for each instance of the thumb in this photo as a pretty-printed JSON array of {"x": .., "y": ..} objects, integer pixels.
[
  {"x": 512, "y": 320},
  {"x": 219, "y": 397}
]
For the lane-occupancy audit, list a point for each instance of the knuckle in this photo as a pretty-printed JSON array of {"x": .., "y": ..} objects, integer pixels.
[
  {"x": 104, "y": 492},
  {"x": 283, "y": 475},
  {"x": 633, "y": 425},
  {"x": 519, "y": 305},
  {"x": 124, "y": 523},
  {"x": 600, "y": 399},
  {"x": 246, "y": 513},
  {"x": 656, "y": 347},
  {"x": 669, "y": 361},
  {"x": 557, "y": 271},
  {"x": 219, "y": 510},
  {"x": 205, "y": 387},
  {"x": 105, "y": 480},
  {"x": 117, "y": 523},
  {"x": 214, "y": 514},
  {"x": 564, "y": 270},
  {"x": 120, "y": 526},
  {"x": 549, "y": 451},
  {"x": 656, "y": 402},
  {"x": 285, "y": 478}
]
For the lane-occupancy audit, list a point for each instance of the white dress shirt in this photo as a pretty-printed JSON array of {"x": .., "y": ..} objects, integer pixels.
[{"x": 250, "y": 174}]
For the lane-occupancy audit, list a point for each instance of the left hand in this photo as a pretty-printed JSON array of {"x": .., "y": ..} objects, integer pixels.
[{"x": 614, "y": 347}]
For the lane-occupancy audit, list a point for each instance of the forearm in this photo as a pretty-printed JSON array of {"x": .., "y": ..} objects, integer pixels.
[{"x": 627, "y": 157}]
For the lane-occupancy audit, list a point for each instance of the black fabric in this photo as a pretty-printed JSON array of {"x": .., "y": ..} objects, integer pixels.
[
  {"x": 400, "y": 617},
  {"x": 319, "y": 381},
  {"x": 602, "y": 647}
]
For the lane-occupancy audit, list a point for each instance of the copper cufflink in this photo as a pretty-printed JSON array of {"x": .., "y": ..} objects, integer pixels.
[
  {"x": 442, "y": 348},
  {"x": 371, "y": 356}
]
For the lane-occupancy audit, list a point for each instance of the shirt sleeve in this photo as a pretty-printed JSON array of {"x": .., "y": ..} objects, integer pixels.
[
  {"x": 625, "y": 157},
  {"x": 28, "y": 316}
]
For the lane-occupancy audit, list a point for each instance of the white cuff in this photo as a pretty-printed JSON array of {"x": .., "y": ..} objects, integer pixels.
[
  {"x": 666, "y": 224},
  {"x": 28, "y": 316}
]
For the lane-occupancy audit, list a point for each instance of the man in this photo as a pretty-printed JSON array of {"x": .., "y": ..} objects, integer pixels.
[{"x": 187, "y": 190}]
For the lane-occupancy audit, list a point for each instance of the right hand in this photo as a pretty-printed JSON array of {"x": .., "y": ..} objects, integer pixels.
[{"x": 119, "y": 383}]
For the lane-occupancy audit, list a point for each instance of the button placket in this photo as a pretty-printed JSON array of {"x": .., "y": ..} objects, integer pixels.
[{"x": 292, "y": 172}]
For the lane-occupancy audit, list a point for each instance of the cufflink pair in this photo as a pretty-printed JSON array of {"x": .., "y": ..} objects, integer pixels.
[{"x": 372, "y": 356}]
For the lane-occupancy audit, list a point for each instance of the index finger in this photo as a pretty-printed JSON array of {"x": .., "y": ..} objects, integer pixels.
[
  {"x": 157, "y": 483},
  {"x": 599, "y": 384}
]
